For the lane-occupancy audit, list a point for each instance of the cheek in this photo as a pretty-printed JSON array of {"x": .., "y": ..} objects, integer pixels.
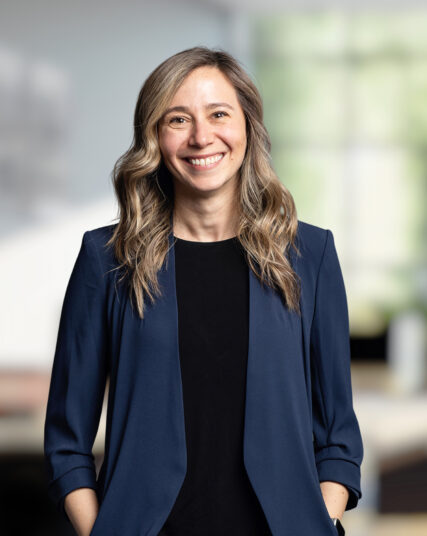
[
  {"x": 236, "y": 138},
  {"x": 170, "y": 144},
  {"x": 239, "y": 147}
]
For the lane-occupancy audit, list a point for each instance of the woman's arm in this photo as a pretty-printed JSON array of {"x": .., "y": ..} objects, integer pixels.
[
  {"x": 81, "y": 507},
  {"x": 78, "y": 379},
  {"x": 338, "y": 446}
]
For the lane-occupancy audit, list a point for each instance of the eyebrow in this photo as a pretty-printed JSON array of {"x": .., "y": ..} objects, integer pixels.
[{"x": 208, "y": 106}]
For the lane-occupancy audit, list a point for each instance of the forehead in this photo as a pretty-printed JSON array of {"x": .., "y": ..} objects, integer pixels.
[{"x": 205, "y": 83}]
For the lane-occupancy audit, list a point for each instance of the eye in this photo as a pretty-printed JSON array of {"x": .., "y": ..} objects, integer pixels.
[
  {"x": 224, "y": 113},
  {"x": 177, "y": 119}
]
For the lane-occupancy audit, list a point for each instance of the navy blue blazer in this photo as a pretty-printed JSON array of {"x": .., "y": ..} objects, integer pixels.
[{"x": 300, "y": 426}]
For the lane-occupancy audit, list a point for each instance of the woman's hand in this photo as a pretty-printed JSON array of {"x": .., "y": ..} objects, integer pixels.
[
  {"x": 335, "y": 496},
  {"x": 81, "y": 506}
]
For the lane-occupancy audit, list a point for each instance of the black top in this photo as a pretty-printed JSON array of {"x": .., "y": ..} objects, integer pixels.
[{"x": 212, "y": 283}]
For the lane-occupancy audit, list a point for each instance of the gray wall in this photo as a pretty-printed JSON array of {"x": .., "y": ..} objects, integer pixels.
[{"x": 70, "y": 73}]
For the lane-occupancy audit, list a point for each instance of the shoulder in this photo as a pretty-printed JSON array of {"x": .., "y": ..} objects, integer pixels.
[
  {"x": 319, "y": 258},
  {"x": 311, "y": 241},
  {"x": 318, "y": 254},
  {"x": 96, "y": 241},
  {"x": 100, "y": 235}
]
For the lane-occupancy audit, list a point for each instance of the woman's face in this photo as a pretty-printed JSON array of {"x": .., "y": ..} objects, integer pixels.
[{"x": 202, "y": 135}]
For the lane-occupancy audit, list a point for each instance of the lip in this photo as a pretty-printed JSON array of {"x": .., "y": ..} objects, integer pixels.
[
  {"x": 203, "y": 168},
  {"x": 204, "y": 155}
]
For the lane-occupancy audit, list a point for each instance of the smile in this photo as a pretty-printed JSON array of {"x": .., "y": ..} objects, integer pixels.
[{"x": 204, "y": 163}]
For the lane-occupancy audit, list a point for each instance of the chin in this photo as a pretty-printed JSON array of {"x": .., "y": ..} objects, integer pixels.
[{"x": 208, "y": 185}]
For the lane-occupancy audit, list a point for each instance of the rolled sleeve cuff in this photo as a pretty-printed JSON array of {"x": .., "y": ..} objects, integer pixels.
[
  {"x": 79, "y": 477},
  {"x": 345, "y": 473}
]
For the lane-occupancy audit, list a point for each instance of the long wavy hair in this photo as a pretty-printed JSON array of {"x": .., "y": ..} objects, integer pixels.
[{"x": 267, "y": 223}]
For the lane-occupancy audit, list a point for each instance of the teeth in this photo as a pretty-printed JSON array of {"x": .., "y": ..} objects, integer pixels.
[{"x": 205, "y": 161}]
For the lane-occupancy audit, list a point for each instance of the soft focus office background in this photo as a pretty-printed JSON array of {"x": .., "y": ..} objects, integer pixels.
[{"x": 345, "y": 95}]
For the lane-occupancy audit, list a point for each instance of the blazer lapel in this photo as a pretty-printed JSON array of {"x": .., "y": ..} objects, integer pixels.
[
  {"x": 277, "y": 416},
  {"x": 275, "y": 367}
]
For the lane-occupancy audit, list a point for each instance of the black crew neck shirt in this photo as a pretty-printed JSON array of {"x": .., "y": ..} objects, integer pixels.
[{"x": 216, "y": 498}]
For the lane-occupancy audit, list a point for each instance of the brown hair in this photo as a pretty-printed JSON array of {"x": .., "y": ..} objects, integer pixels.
[{"x": 268, "y": 220}]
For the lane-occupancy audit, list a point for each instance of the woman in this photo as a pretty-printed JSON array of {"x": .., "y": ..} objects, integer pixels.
[{"x": 237, "y": 419}]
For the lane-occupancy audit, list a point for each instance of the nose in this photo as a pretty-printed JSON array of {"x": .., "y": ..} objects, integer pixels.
[{"x": 201, "y": 133}]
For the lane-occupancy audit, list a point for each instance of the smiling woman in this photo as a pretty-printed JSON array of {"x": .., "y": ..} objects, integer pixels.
[
  {"x": 204, "y": 147},
  {"x": 221, "y": 322}
]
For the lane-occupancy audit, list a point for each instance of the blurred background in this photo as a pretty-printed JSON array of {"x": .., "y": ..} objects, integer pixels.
[{"x": 345, "y": 96}]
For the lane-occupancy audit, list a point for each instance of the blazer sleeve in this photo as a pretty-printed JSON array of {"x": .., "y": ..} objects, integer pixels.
[
  {"x": 78, "y": 379},
  {"x": 337, "y": 439}
]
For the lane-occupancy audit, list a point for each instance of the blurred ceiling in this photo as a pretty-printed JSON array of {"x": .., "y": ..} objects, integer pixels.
[{"x": 299, "y": 5}]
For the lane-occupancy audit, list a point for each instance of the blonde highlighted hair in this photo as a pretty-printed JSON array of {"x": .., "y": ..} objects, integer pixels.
[{"x": 267, "y": 215}]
